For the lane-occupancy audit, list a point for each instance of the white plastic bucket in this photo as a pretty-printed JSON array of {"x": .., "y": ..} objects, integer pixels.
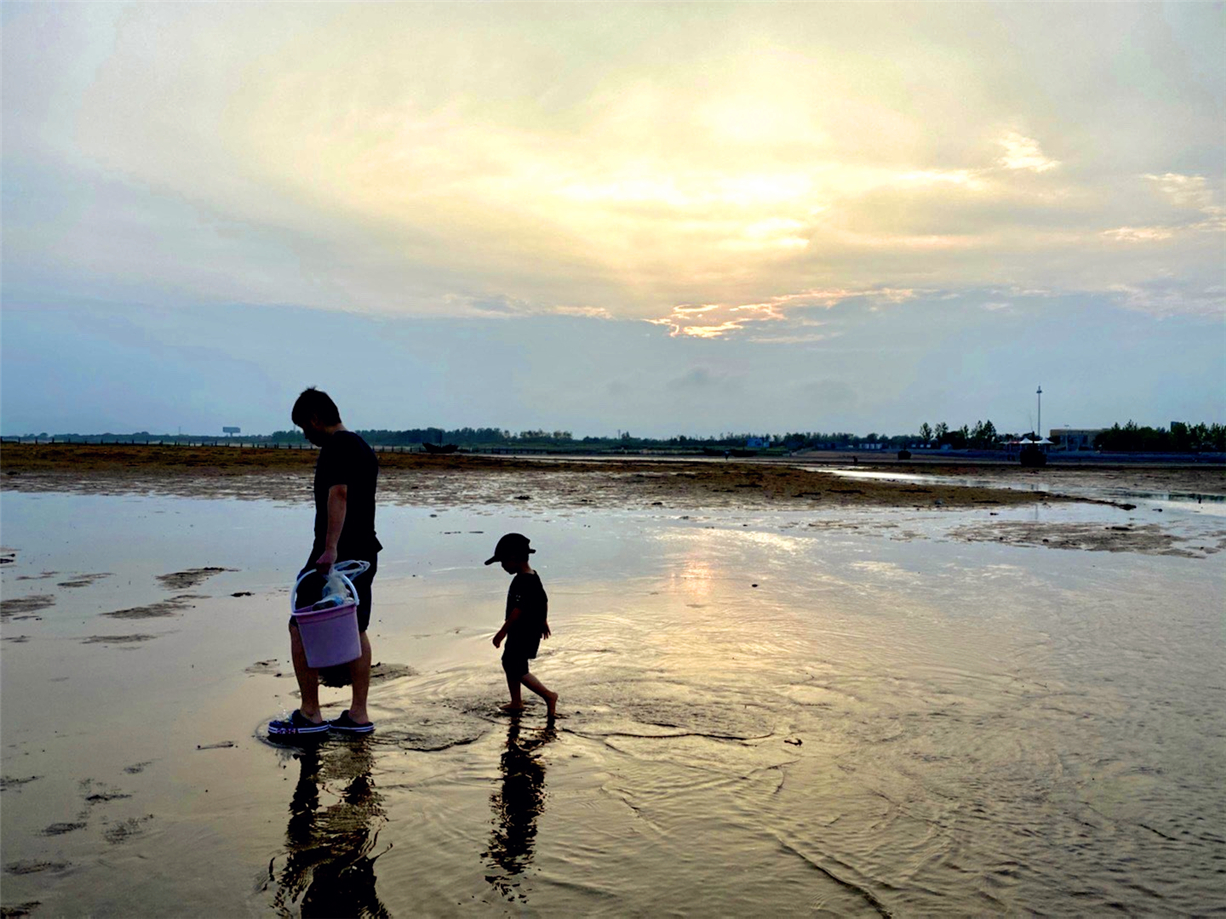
[{"x": 329, "y": 628}]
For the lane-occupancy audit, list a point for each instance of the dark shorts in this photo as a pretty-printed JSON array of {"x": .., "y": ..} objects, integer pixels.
[
  {"x": 515, "y": 666},
  {"x": 363, "y": 583}
]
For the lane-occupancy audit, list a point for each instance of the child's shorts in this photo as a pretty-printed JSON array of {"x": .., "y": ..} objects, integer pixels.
[{"x": 515, "y": 666}]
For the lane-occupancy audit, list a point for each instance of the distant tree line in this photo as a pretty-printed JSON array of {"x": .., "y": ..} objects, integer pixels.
[
  {"x": 983, "y": 436},
  {"x": 1129, "y": 438},
  {"x": 1180, "y": 438}
]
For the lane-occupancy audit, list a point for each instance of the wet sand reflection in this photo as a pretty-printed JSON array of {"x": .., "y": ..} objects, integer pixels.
[
  {"x": 517, "y": 805},
  {"x": 329, "y": 869}
]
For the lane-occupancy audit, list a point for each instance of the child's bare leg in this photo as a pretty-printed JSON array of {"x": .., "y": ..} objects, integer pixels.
[
  {"x": 517, "y": 702},
  {"x": 551, "y": 698}
]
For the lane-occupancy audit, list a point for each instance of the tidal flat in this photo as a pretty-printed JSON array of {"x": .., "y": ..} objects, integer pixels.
[{"x": 794, "y": 710}]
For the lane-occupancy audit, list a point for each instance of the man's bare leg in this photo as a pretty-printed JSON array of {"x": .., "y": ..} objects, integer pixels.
[
  {"x": 308, "y": 678},
  {"x": 551, "y": 698},
  {"x": 360, "y": 671}
]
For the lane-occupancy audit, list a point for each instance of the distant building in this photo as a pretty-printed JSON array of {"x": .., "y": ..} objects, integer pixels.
[
  {"x": 228, "y": 430},
  {"x": 1071, "y": 440},
  {"x": 757, "y": 443}
]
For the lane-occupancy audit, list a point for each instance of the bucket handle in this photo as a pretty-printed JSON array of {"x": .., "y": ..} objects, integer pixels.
[{"x": 345, "y": 570}]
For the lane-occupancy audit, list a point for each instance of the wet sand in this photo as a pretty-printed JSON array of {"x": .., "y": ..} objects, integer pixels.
[{"x": 770, "y": 708}]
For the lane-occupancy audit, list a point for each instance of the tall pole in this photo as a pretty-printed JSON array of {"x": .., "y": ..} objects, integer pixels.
[{"x": 1039, "y": 393}]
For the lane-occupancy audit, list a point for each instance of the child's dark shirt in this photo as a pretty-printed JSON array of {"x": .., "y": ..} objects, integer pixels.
[{"x": 527, "y": 594}]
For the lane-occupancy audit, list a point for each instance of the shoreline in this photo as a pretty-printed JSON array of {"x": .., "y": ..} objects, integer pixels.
[{"x": 467, "y": 479}]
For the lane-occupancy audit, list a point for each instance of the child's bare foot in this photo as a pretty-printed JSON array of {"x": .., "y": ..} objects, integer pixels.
[
  {"x": 551, "y": 699},
  {"x": 512, "y": 707}
]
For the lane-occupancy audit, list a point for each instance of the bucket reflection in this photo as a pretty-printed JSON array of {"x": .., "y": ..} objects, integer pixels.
[
  {"x": 517, "y": 805},
  {"x": 329, "y": 869}
]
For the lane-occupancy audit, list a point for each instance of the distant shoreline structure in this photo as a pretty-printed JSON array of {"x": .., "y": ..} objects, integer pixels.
[{"x": 835, "y": 456}]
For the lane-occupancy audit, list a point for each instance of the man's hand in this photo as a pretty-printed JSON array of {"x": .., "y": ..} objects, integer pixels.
[
  {"x": 545, "y": 633},
  {"x": 324, "y": 563},
  {"x": 499, "y": 637}
]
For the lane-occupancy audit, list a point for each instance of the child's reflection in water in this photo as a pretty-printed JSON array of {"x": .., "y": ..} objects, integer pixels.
[
  {"x": 516, "y": 806},
  {"x": 329, "y": 870}
]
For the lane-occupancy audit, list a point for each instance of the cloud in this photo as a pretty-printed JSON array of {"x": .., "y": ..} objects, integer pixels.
[
  {"x": 1171, "y": 297},
  {"x": 589, "y": 312},
  {"x": 696, "y": 379},
  {"x": 1184, "y": 190},
  {"x": 699, "y": 321},
  {"x": 455, "y": 160},
  {"x": 1023, "y": 153},
  {"x": 828, "y": 396},
  {"x": 1196, "y": 211},
  {"x": 1140, "y": 234}
]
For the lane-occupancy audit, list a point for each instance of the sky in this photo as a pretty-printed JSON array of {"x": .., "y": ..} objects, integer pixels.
[{"x": 669, "y": 219}]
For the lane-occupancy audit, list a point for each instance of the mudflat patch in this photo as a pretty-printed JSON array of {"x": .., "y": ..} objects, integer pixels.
[
  {"x": 83, "y": 580},
  {"x": 23, "y": 909},
  {"x": 116, "y": 639},
  {"x": 59, "y": 829},
  {"x": 118, "y": 833},
  {"x": 154, "y": 610},
  {"x": 185, "y": 580},
  {"x": 1147, "y": 539},
  {"x": 382, "y": 673},
  {"x": 9, "y": 781},
  {"x": 34, "y": 866},
  {"x": 18, "y": 606}
]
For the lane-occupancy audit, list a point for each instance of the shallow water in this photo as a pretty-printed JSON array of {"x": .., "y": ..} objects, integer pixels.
[
  {"x": 1085, "y": 484},
  {"x": 791, "y": 713}
]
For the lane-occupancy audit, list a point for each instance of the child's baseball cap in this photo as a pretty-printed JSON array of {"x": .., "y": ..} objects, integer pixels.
[{"x": 511, "y": 546}]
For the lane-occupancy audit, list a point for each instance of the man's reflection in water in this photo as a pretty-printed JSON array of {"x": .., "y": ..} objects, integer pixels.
[
  {"x": 516, "y": 806},
  {"x": 329, "y": 866}
]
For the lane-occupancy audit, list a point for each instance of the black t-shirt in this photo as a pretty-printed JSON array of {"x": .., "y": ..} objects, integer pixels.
[
  {"x": 527, "y": 594},
  {"x": 346, "y": 459}
]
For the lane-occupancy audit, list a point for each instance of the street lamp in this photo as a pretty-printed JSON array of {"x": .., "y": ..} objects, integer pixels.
[{"x": 1039, "y": 393}]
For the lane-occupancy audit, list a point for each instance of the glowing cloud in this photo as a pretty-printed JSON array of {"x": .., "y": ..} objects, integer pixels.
[
  {"x": 1183, "y": 190},
  {"x": 1023, "y": 153},
  {"x": 696, "y": 321},
  {"x": 512, "y": 159}
]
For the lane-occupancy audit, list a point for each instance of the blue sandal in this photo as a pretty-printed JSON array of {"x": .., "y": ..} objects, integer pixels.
[
  {"x": 296, "y": 725},
  {"x": 347, "y": 725}
]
